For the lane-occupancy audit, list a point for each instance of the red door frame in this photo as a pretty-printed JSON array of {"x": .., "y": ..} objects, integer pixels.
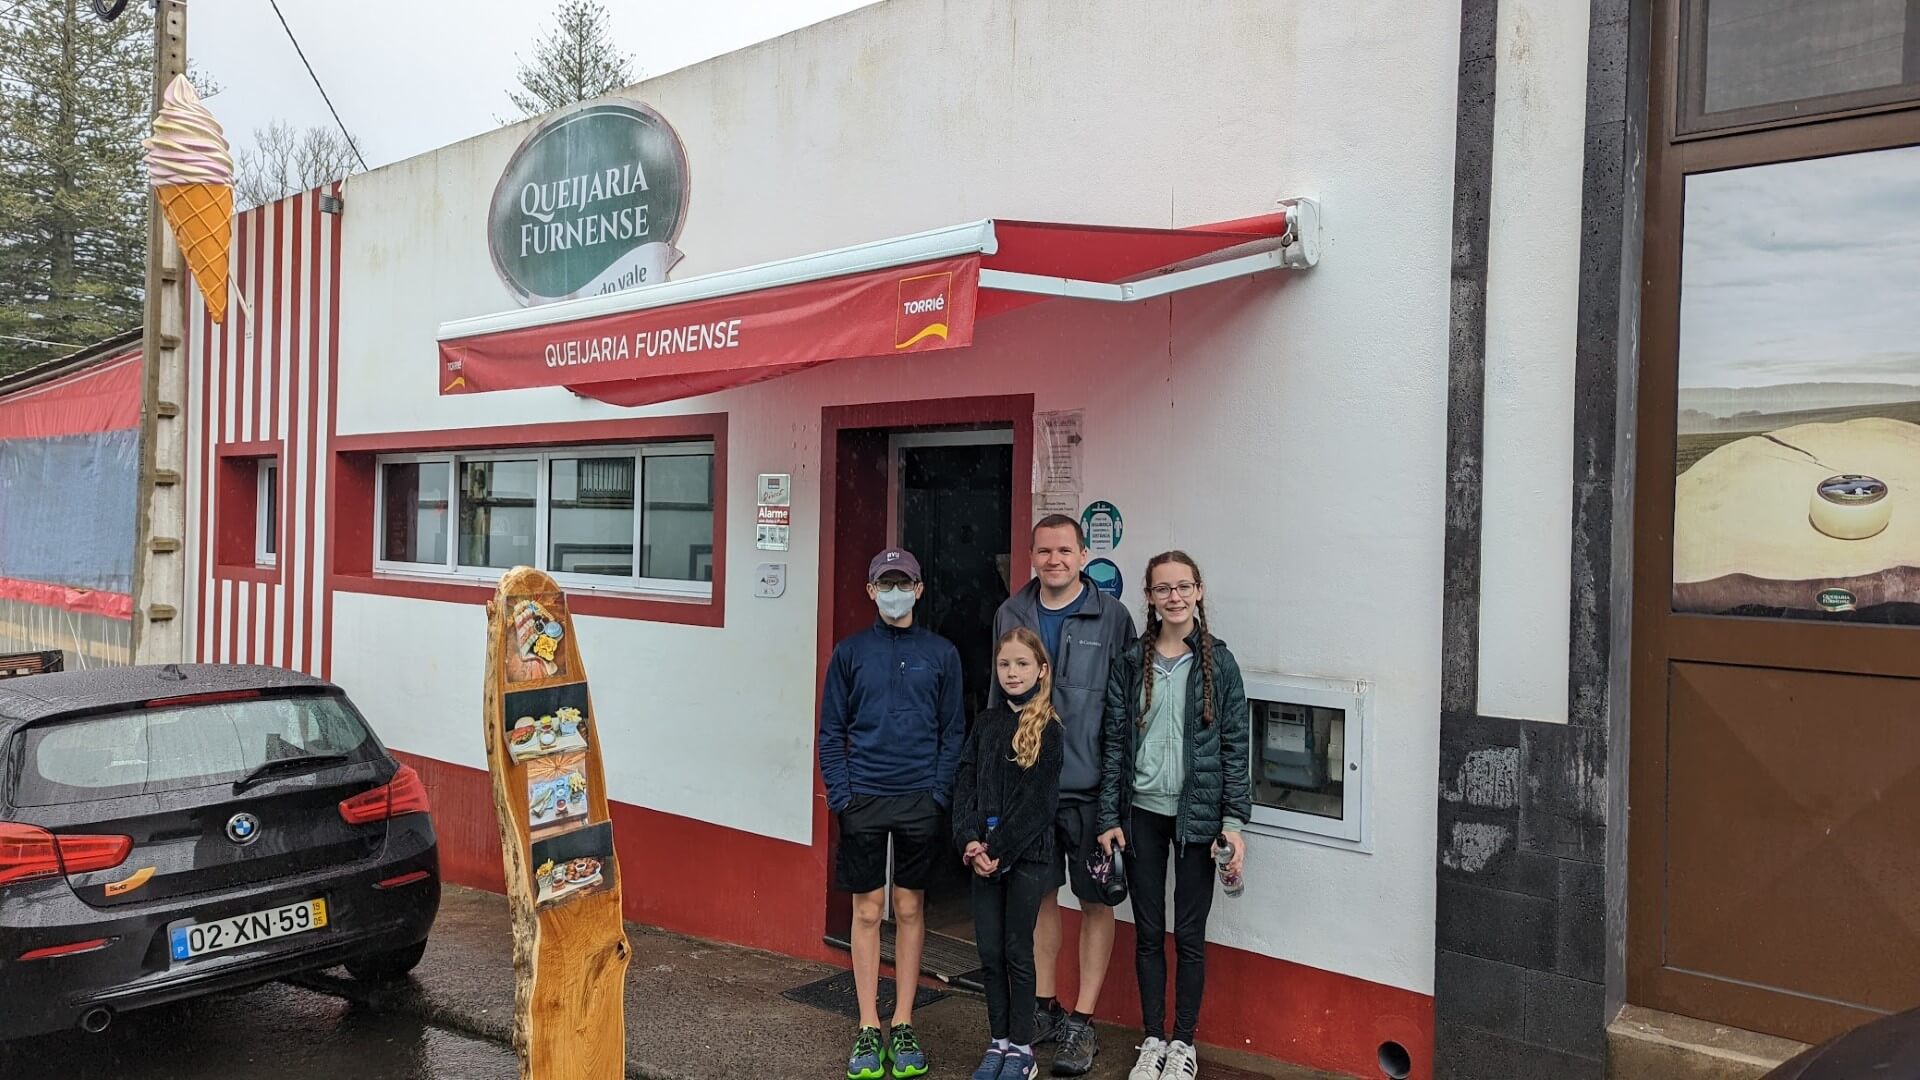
[{"x": 855, "y": 436}]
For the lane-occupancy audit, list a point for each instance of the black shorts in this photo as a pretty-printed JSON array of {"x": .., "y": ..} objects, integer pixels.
[
  {"x": 1076, "y": 836},
  {"x": 918, "y": 828}
]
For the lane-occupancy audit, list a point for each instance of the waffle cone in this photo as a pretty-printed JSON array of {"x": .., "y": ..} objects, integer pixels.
[{"x": 202, "y": 220}]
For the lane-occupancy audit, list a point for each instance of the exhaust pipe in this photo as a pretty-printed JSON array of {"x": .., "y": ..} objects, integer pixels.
[{"x": 96, "y": 1020}]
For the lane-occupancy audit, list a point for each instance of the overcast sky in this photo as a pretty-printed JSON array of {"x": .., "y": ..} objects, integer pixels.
[
  {"x": 409, "y": 76},
  {"x": 1805, "y": 271}
]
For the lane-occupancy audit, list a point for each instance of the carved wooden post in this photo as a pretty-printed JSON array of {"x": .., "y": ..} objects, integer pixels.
[{"x": 543, "y": 741}]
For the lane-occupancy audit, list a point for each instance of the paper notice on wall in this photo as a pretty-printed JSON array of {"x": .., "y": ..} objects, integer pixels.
[
  {"x": 1057, "y": 452},
  {"x": 772, "y": 537},
  {"x": 1047, "y": 503}
]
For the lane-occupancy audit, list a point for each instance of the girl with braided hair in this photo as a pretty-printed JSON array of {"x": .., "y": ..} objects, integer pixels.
[{"x": 1174, "y": 782}]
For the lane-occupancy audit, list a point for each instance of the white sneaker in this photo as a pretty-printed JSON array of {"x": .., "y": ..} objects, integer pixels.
[
  {"x": 1183, "y": 1062},
  {"x": 1153, "y": 1059}
]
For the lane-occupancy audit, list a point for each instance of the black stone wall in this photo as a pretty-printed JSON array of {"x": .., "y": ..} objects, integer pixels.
[{"x": 1530, "y": 920}]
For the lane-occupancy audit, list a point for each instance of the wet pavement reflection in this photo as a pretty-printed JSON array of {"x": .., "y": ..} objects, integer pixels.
[{"x": 277, "y": 1032}]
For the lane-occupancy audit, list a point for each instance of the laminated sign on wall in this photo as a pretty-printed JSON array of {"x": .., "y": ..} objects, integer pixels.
[
  {"x": 1057, "y": 452},
  {"x": 543, "y": 736}
]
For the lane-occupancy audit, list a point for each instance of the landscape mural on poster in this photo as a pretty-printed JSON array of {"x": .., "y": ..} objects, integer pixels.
[{"x": 1798, "y": 419}]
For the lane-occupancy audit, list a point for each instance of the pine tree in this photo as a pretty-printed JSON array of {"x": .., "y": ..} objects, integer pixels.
[
  {"x": 75, "y": 100},
  {"x": 577, "y": 60}
]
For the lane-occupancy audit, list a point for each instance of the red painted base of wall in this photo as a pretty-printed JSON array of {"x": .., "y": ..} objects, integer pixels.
[{"x": 695, "y": 878}]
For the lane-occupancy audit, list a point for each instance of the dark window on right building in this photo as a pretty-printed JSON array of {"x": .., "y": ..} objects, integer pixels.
[{"x": 1762, "y": 61}]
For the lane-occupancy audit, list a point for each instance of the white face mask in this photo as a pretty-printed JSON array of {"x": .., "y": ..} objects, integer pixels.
[{"x": 895, "y": 603}]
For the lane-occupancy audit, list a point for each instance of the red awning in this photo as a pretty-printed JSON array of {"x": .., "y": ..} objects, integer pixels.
[{"x": 920, "y": 293}]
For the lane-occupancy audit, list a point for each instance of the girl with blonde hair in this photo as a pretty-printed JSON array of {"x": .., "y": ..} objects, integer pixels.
[{"x": 1003, "y": 811}]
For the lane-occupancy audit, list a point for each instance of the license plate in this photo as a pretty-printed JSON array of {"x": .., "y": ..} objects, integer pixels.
[{"x": 192, "y": 940}]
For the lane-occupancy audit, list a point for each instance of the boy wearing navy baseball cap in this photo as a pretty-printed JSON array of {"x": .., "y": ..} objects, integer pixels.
[{"x": 891, "y": 730}]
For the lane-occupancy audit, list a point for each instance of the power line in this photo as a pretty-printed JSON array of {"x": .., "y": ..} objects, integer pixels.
[
  {"x": 316, "y": 83},
  {"x": 37, "y": 341}
]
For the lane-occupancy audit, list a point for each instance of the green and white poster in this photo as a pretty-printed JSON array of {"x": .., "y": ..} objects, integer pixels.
[{"x": 592, "y": 202}]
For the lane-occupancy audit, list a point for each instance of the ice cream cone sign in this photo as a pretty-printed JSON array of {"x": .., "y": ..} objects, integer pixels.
[{"x": 191, "y": 170}]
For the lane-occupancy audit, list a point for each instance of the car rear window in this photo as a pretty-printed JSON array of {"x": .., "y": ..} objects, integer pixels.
[{"x": 160, "y": 749}]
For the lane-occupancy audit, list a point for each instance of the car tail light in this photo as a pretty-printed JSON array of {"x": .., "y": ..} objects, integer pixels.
[
  {"x": 27, "y": 852},
  {"x": 404, "y": 794},
  {"x": 74, "y": 949},
  {"x": 213, "y": 698}
]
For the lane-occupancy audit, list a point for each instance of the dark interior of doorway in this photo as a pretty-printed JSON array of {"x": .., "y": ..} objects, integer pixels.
[
  {"x": 955, "y": 507},
  {"x": 943, "y": 488}
]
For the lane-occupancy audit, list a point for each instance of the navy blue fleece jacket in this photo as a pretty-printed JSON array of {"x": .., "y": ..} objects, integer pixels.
[{"x": 891, "y": 719}]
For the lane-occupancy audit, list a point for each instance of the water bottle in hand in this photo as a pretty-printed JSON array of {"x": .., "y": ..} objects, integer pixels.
[{"x": 1230, "y": 880}]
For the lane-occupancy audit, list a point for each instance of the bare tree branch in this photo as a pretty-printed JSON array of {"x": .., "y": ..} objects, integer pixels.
[{"x": 285, "y": 162}]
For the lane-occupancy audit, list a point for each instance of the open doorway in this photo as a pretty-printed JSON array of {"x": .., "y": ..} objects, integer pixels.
[
  {"x": 943, "y": 486},
  {"x": 951, "y": 505}
]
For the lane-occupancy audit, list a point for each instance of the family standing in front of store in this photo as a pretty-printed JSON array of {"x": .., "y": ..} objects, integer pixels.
[{"x": 1104, "y": 756}]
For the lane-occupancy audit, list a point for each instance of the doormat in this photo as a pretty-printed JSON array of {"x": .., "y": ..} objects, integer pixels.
[{"x": 836, "y": 994}]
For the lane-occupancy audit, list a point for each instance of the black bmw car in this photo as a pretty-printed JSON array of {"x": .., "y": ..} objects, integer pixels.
[{"x": 169, "y": 832}]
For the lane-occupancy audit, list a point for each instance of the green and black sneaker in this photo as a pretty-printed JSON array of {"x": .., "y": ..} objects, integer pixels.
[
  {"x": 903, "y": 1051},
  {"x": 869, "y": 1058}
]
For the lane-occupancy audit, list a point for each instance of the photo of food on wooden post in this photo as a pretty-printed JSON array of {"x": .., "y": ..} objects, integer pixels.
[
  {"x": 570, "y": 949},
  {"x": 551, "y": 720},
  {"x": 557, "y": 793},
  {"x": 538, "y": 627},
  {"x": 573, "y": 864}
]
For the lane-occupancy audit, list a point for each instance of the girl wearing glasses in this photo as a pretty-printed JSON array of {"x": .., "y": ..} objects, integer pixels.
[{"x": 1174, "y": 783}]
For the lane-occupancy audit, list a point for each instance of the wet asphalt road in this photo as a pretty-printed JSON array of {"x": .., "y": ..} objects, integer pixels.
[{"x": 277, "y": 1032}]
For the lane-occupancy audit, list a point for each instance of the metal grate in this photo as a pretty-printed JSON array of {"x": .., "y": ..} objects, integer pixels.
[{"x": 836, "y": 994}]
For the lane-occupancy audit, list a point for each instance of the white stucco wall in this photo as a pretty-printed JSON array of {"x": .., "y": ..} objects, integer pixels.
[
  {"x": 1288, "y": 432},
  {"x": 1533, "y": 264}
]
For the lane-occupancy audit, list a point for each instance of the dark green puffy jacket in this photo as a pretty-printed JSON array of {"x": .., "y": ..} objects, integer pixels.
[{"x": 1217, "y": 783}]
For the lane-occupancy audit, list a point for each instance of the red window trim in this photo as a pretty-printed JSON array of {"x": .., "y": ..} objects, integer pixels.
[
  {"x": 236, "y": 511},
  {"x": 350, "y": 545}
]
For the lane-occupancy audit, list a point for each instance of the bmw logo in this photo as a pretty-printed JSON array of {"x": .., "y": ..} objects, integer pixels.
[{"x": 243, "y": 829}]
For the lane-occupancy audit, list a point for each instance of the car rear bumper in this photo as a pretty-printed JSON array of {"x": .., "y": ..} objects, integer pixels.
[{"x": 135, "y": 970}]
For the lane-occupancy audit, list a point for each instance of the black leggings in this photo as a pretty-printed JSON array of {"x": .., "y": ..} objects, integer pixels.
[
  {"x": 1004, "y": 909},
  {"x": 1150, "y": 846}
]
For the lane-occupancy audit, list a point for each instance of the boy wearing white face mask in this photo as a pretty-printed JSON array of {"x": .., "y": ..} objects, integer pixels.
[{"x": 892, "y": 727}]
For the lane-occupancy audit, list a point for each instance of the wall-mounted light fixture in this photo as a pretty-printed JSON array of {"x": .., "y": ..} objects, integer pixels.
[{"x": 331, "y": 203}]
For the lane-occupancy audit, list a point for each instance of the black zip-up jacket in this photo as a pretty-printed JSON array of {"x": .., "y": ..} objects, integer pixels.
[
  {"x": 1091, "y": 640},
  {"x": 990, "y": 783},
  {"x": 1217, "y": 782}
]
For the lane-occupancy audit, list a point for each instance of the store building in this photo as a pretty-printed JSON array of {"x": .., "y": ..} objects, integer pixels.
[
  {"x": 1369, "y": 307},
  {"x": 69, "y": 462}
]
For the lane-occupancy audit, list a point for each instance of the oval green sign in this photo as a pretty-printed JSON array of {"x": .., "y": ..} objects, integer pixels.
[
  {"x": 1835, "y": 600},
  {"x": 592, "y": 202}
]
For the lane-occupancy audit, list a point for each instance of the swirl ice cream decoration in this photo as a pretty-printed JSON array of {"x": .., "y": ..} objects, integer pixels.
[{"x": 191, "y": 170}]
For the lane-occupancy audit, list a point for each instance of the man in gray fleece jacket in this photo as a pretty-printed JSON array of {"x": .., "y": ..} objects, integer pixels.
[{"x": 1083, "y": 630}]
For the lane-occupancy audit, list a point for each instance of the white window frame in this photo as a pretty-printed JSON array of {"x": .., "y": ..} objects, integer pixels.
[
  {"x": 1354, "y": 830},
  {"x": 543, "y": 458},
  {"x": 266, "y": 517}
]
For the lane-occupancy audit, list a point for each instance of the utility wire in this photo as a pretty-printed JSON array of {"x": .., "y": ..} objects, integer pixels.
[
  {"x": 38, "y": 341},
  {"x": 316, "y": 82}
]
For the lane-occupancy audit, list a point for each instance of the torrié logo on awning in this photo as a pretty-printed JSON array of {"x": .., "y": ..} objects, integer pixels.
[{"x": 592, "y": 202}]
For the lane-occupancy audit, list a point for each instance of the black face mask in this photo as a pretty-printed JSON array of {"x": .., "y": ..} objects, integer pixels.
[{"x": 1020, "y": 702}]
